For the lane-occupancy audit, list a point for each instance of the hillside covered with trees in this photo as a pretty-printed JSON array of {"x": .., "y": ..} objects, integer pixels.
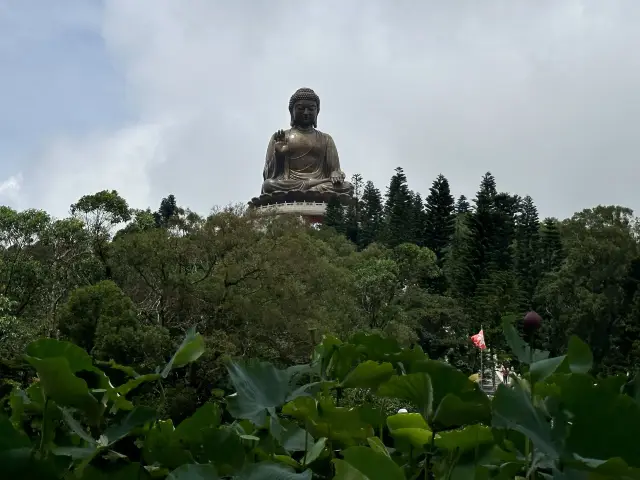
[
  {"x": 427, "y": 271},
  {"x": 126, "y": 284}
]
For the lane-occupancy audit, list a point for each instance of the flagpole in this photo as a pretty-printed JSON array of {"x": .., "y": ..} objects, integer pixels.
[{"x": 481, "y": 369}]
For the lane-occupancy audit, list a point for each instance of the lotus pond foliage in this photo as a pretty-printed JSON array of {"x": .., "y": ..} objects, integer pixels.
[{"x": 76, "y": 419}]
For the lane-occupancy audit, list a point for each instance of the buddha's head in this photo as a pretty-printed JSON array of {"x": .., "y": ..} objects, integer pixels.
[{"x": 304, "y": 106}]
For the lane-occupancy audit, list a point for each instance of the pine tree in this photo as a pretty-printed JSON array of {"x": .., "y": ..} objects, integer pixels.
[
  {"x": 482, "y": 227},
  {"x": 168, "y": 212},
  {"x": 506, "y": 209},
  {"x": 418, "y": 219},
  {"x": 551, "y": 252},
  {"x": 397, "y": 210},
  {"x": 440, "y": 216},
  {"x": 371, "y": 219},
  {"x": 462, "y": 205},
  {"x": 527, "y": 257},
  {"x": 456, "y": 260},
  {"x": 334, "y": 215}
]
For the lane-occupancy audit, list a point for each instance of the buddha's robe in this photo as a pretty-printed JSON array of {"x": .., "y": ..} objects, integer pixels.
[{"x": 307, "y": 165}]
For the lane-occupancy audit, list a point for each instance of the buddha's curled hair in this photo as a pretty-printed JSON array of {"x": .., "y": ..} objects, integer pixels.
[{"x": 304, "y": 94}]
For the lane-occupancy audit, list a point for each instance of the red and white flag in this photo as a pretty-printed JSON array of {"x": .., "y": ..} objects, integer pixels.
[{"x": 478, "y": 340}]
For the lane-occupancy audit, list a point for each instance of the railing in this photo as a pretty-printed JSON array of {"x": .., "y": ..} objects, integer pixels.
[{"x": 272, "y": 205}]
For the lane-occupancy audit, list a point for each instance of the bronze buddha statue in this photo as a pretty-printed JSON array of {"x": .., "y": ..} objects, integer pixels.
[{"x": 302, "y": 158}]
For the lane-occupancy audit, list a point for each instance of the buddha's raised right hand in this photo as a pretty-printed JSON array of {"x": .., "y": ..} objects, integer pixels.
[{"x": 281, "y": 142}]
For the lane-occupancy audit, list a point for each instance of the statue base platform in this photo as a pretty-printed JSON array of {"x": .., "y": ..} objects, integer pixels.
[{"x": 311, "y": 206}]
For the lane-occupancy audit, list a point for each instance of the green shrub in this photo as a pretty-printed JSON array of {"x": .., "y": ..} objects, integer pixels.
[{"x": 335, "y": 417}]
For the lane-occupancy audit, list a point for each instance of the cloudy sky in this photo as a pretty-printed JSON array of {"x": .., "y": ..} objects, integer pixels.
[{"x": 151, "y": 97}]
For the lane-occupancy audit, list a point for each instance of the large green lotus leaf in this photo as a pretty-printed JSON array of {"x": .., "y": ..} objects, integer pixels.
[
  {"x": 465, "y": 439},
  {"x": 415, "y": 437},
  {"x": 49, "y": 349},
  {"x": 259, "y": 386},
  {"x": 415, "y": 388},
  {"x": 579, "y": 356},
  {"x": 368, "y": 374},
  {"x": 405, "y": 359},
  {"x": 137, "y": 417},
  {"x": 409, "y": 429},
  {"x": 345, "y": 357},
  {"x": 222, "y": 447},
  {"x": 512, "y": 409},
  {"x": 612, "y": 468},
  {"x": 192, "y": 429},
  {"x": 132, "y": 471},
  {"x": 10, "y": 438},
  {"x": 191, "y": 348},
  {"x": 377, "y": 446},
  {"x": 578, "y": 359},
  {"x": 323, "y": 353},
  {"x": 367, "y": 464},
  {"x": 289, "y": 435},
  {"x": 345, "y": 471},
  {"x": 194, "y": 472},
  {"x": 77, "y": 358},
  {"x": 406, "y": 420},
  {"x": 315, "y": 451},
  {"x": 134, "y": 383},
  {"x": 324, "y": 419},
  {"x": 271, "y": 471},
  {"x": 632, "y": 387},
  {"x": 448, "y": 382},
  {"x": 543, "y": 369},
  {"x": 160, "y": 447},
  {"x": 604, "y": 424},
  {"x": 374, "y": 345},
  {"x": 518, "y": 346},
  {"x": 302, "y": 408},
  {"x": 59, "y": 383},
  {"x": 385, "y": 349},
  {"x": 340, "y": 424},
  {"x": 452, "y": 412}
]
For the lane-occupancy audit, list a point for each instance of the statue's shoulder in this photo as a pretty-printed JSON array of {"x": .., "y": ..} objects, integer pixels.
[{"x": 325, "y": 136}]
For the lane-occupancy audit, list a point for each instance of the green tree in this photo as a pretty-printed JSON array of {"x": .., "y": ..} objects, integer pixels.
[
  {"x": 417, "y": 220},
  {"x": 527, "y": 261},
  {"x": 167, "y": 212},
  {"x": 587, "y": 295},
  {"x": 462, "y": 205},
  {"x": 551, "y": 255},
  {"x": 101, "y": 213},
  {"x": 371, "y": 223},
  {"x": 334, "y": 216},
  {"x": 397, "y": 210},
  {"x": 481, "y": 235},
  {"x": 440, "y": 216}
]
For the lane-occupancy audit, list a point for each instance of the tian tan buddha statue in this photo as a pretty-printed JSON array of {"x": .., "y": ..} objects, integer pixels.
[{"x": 302, "y": 163}]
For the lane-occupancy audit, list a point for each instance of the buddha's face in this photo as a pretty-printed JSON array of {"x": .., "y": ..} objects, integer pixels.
[{"x": 305, "y": 113}]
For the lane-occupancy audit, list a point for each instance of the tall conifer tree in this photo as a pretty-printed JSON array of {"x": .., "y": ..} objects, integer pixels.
[
  {"x": 462, "y": 205},
  {"x": 371, "y": 218},
  {"x": 334, "y": 215},
  {"x": 397, "y": 210},
  {"x": 527, "y": 259},
  {"x": 552, "y": 253},
  {"x": 440, "y": 216}
]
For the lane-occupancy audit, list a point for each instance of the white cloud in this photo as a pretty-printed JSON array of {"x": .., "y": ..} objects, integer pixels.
[
  {"x": 543, "y": 94},
  {"x": 10, "y": 188},
  {"x": 72, "y": 167}
]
